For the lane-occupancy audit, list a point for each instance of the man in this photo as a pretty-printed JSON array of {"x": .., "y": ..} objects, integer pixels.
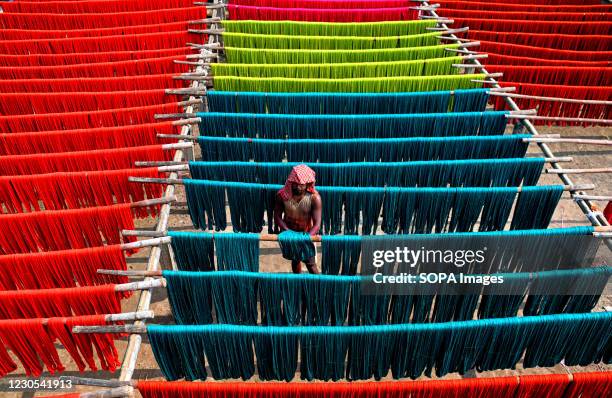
[{"x": 298, "y": 208}]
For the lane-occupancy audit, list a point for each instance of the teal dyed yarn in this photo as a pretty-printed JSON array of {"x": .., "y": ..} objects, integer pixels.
[
  {"x": 361, "y": 353},
  {"x": 296, "y": 246},
  {"x": 251, "y": 125},
  {"x": 474, "y": 100},
  {"x": 193, "y": 251},
  {"x": 468, "y": 173},
  {"x": 340, "y": 254},
  {"x": 363, "y": 149}
]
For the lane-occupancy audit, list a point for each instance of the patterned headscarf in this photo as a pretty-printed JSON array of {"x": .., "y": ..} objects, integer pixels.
[{"x": 300, "y": 174}]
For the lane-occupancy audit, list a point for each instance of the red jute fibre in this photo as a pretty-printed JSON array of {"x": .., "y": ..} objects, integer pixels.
[
  {"x": 536, "y": 26},
  {"x": 590, "y": 385},
  {"x": 75, "y": 190},
  {"x": 544, "y": 53},
  {"x": 546, "y": 40},
  {"x": 561, "y": 109},
  {"x": 27, "y": 103},
  {"x": 88, "y": 6},
  {"x": 33, "y": 342},
  {"x": 85, "y": 139},
  {"x": 79, "y": 120},
  {"x": 108, "y": 84},
  {"x": 138, "y": 42},
  {"x": 84, "y": 58},
  {"x": 65, "y": 229},
  {"x": 149, "y": 66},
  {"x": 515, "y": 6},
  {"x": 325, "y": 4},
  {"x": 530, "y": 15},
  {"x": 103, "y": 159},
  {"x": 62, "y": 269},
  {"x": 96, "y": 20},
  {"x": 559, "y": 75},
  {"x": 47, "y": 303},
  {"x": 501, "y": 59},
  {"x": 464, "y": 388},
  {"x": 25, "y": 34},
  {"x": 321, "y": 15}
]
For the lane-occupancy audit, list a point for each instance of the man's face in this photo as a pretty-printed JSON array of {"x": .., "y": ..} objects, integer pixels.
[{"x": 298, "y": 189}]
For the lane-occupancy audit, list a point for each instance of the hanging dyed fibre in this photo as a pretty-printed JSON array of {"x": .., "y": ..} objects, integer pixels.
[
  {"x": 478, "y": 172},
  {"x": 341, "y": 253},
  {"x": 499, "y": 59},
  {"x": 53, "y": 21},
  {"x": 66, "y": 268},
  {"x": 122, "y": 83},
  {"x": 586, "y": 17},
  {"x": 80, "y": 120},
  {"x": 120, "y": 42},
  {"x": 138, "y": 135},
  {"x": 321, "y": 15},
  {"x": 544, "y": 40},
  {"x": 286, "y": 299},
  {"x": 474, "y": 100},
  {"x": 296, "y": 246},
  {"x": 362, "y": 149},
  {"x": 536, "y": 26},
  {"x": 83, "y": 58},
  {"x": 33, "y": 343},
  {"x": 545, "y": 53},
  {"x": 236, "y": 55},
  {"x": 322, "y": 4},
  {"x": 26, "y": 103},
  {"x": 103, "y": 159},
  {"x": 584, "y": 76},
  {"x": 297, "y": 42},
  {"x": 359, "y": 353},
  {"x": 553, "y": 6},
  {"x": 376, "y": 85},
  {"x": 45, "y": 303},
  {"x": 147, "y": 66},
  {"x": 434, "y": 66},
  {"x": 404, "y": 210},
  {"x": 590, "y": 385},
  {"x": 69, "y": 7},
  {"x": 305, "y": 28},
  {"x": 65, "y": 229},
  {"x": 559, "y": 109},
  {"x": 196, "y": 251},
  {"x": 351, "y": 126},
  {"x": 28, "y": 34},
  {"x": 74, "y": 190}
]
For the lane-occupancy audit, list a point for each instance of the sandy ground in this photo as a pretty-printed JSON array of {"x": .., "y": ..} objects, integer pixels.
[{"x": 567, "y": 214}]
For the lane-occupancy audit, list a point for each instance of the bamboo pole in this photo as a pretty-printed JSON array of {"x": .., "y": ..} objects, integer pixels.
[
  {"x": 165, "y": 162},
  {"x": 147, "y": 234},
  {"x": 130, "y": 329},
  {"x": 580, "y": 171},
  {"x": 569, "y": 140},
  {"x": 153, "y": 202},
  {"x": 145, "y": 243},
  {"x": 180, "y": 145},
  {"x": 556, "y": 99},
  {"x": 123, "y": 391},
  {"x": 88, "y": 381},
  {"x": 562, "y": 119},
  {"x": 179, "y": 181},
  {"x": 593, "y": 197},
  {"x": 142, "y": 285},
  {"x": 125, "y": 316},
  {"x": 187, "y": 122}
]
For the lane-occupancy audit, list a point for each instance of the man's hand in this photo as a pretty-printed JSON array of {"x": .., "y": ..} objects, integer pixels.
[{"x": 317, "y": 210}]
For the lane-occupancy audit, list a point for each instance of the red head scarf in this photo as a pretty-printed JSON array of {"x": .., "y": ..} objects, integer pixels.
[{"x": 300, "y": 174}]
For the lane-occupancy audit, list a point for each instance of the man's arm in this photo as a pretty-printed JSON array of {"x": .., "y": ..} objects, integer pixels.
[
  {"x": 279, "y": 209},
  {"x": 317, "y": 210}
]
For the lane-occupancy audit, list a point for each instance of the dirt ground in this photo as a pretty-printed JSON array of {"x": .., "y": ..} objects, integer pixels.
[{"x": 567, "y": 214}]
